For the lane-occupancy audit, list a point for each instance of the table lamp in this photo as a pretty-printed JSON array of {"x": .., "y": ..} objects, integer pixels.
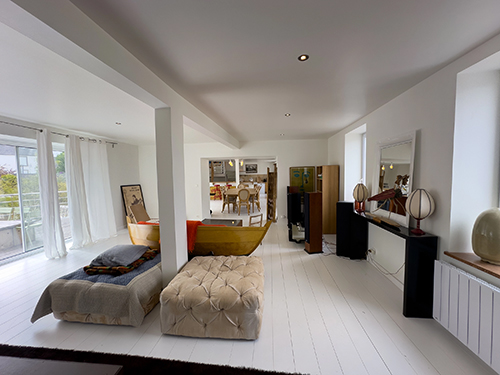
[
  {"x": 420, "y": 205},
  {"x": 360, "y": 194}
]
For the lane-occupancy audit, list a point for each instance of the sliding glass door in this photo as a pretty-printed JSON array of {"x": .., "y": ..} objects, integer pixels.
[
  {"x": 29, "y": 188},
  {"x": 20, "y": 214}
]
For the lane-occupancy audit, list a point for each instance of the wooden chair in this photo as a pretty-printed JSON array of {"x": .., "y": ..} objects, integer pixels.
[
  {"x": 241, "y": 186},
  {"x": 139, "y": 213},
  {"x": 244, "y": 200},
  {"x": 228, "y": 200},
  {"x": 255, "y": 220},
  {"x": 256, "y": 198}
]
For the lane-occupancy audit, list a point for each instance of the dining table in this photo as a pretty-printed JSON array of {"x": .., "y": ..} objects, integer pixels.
[{"x": 234, "y": 193}]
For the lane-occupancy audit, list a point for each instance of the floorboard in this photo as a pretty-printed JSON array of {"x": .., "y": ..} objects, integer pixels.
[{"x": 322, "y": 315}]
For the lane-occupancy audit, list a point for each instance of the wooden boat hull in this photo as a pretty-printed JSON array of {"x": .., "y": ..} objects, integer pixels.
[
  {"x": 228, "y": 240},
  {"x": 141, "y": 234}
]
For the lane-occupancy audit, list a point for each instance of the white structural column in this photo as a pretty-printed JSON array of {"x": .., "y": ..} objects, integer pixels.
[
  {"x": 237, "y": 170},
  {"x": 171, "y": 191}
]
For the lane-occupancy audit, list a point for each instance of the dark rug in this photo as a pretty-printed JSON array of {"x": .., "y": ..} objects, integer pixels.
[{"x": 131, "y": 364}]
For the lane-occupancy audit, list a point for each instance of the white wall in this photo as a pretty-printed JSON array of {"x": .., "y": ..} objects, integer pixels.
[
  {"x": 148, "y": 178},
  {"x": 287, "y": 154},
  {"x": 123, "y": 161},
  {"x": 353, "y": 161},
  {"x": 476, "y": 164},
  {"x": 429, "y": 109}
]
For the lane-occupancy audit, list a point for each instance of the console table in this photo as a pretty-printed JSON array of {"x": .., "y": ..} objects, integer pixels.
[{"x": 420, "y": 254}]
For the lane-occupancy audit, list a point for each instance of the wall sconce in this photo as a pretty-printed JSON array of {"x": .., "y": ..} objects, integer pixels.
[
  {"x": 231, "y": 163},
  {"x": 241, "y": 163},
  {"x": 391, "y": 166},
  {"x": 420, "y": 205},
  {"x": 383, "y": 167}
]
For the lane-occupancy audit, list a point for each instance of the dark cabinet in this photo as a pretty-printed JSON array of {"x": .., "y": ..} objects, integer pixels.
[
  {"x": 352, "y": 232},
  {"x": 420, "y": 254}
]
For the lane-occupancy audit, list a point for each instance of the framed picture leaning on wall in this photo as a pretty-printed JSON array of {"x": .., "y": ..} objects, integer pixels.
[{"x": 131, "y": 194}]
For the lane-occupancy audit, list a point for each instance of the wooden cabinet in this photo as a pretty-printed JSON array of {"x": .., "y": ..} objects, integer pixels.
[
  {"x": 313, "y": 222},
  {"x": 327, "y": 183}
]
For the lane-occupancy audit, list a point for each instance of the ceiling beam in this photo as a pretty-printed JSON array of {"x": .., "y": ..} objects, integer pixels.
[{"x": 63, "y": 28}]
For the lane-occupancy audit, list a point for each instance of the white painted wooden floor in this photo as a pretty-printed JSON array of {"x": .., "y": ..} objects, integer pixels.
[{"x": 323, "y": 315}]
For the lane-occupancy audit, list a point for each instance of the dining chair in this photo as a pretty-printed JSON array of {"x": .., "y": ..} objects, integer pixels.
[
  {"x": 244, "y": 200},
  {"x": 241, "y": 186},
  {"x": 228, "y": 200},
  {"x": 255, "y": 220},
  {"x": 256, "y": 197},
  {"x": 223, "y": 190}
]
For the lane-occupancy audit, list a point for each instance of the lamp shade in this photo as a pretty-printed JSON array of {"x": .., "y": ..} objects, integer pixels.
[
  {"x": 360, "y": 193},
  {"x": 420, "y": 204}
]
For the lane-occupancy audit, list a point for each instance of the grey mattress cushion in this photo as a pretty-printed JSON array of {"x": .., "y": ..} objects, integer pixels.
[{"x": 119, "y": 255}]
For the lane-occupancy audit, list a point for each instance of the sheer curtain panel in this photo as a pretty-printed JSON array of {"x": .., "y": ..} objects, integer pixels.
[
  {"x": 53, "y": 237},
  {"x": 77, "y": 197},
  {"x": 98, "y": 190}
]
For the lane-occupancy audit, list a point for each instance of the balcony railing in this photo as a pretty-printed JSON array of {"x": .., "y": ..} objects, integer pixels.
[{"x": 10, "y": 210}]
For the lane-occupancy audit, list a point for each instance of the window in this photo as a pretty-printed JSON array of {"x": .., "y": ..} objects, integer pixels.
[{"x": 20, "y": 216}]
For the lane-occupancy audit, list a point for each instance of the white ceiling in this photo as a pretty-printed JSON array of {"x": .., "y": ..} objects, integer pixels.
[
  {"x": 237, "y": 61},
  {"x": 38, "y": 85}
]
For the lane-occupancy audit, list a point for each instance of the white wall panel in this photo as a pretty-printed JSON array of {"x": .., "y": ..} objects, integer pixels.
[
  {"x": 463, "y": 309},
  {"x": 474, "y": 316},
  {"x": 485, "y": 323}
]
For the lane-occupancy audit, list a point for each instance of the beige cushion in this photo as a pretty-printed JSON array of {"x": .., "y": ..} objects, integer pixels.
[{"x": 215, "y": 296}]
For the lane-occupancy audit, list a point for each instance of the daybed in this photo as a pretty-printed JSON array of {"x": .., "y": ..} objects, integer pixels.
[
  {"x": 103, "y": 298},
  {"x": 215, "y": 296}
]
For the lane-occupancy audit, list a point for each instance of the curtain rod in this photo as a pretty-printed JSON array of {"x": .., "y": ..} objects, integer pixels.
[{"x": 64, "y": 135}]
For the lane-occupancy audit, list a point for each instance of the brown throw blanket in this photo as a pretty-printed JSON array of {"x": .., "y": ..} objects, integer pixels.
[{"x": 120, "y": 270}]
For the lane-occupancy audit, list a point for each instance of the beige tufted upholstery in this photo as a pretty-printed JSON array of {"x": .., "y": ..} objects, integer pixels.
[{"x": 215, "y": 296}]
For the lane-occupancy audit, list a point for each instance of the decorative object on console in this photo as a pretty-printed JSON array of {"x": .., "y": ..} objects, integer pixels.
[
  {"x": 360, "y": 194},
  {"x": 420, "y": 205},
  {"x": 486, "y": 236}
]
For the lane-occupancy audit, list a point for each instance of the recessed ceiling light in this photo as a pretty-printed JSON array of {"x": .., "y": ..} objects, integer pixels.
[
  {"x": 282, "y": 134},
  {"x": 287, "y": 114},
  {"x": 118, "y": 123},
  {"x": 303, "y": 57}
]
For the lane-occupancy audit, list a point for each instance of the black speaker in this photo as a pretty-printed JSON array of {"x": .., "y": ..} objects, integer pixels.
[
  {"x": 352, "y": 232},
  {"x": 294, "y": 209}
]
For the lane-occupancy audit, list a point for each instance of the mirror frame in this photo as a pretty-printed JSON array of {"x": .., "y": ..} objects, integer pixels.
[{"x": 391, "y": 142}]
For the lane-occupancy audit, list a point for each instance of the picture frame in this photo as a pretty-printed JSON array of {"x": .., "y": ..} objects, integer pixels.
[
  {"x": 303, "y": 178},
  {"x": 131, "y": 194},
  {"x": 250, "y": 168}
]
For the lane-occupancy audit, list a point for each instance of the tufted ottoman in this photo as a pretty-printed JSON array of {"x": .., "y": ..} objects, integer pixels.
[{"x": 215, "y": 296}]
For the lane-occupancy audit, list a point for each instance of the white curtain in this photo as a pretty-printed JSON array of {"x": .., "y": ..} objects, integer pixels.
[
  {"x": 53, "y": 237},
  {"x": 77, "y": 197},
  {"x": 94, "y": 158}
]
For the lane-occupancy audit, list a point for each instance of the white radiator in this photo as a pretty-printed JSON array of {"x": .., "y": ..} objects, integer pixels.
[{"x": 470, "y": 309}]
